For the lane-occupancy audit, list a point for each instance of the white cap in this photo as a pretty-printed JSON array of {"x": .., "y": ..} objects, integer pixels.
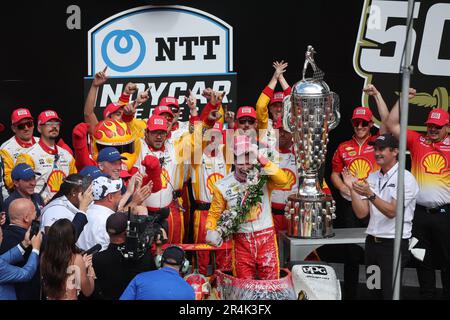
[{"x": 102, "y": 186}]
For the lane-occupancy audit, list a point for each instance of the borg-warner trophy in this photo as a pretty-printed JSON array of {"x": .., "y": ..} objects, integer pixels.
[{"x": 309, "y": 113}]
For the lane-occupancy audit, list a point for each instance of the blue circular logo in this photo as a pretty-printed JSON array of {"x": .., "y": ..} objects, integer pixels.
[{"x": 128, "y": 36}]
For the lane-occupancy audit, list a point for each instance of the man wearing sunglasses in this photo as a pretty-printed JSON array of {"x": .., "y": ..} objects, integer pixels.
[
  {"x": 22, "y": 124},
  {"x": 178, "y": 127},
  {"x": 430, "y": 165},
  {"x": 45, "y": 157},
  {"x": 358, "y": 156}
]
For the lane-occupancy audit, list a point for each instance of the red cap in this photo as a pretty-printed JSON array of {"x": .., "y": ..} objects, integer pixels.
[
  {"x": 47, "y": 115},
  {"x": 246, "y": 111},
  {"x": 2, "y": 127},
  {"x": 162, "y": 109},
  {"x": 19, "y": 114},
  {"x": 155, "y": 123},
  {"x": 111, "y": 108},
  {"x": 169, "y": 101},
  {"x": 277, "y": 97},
  {"x": 124, "y": 174},
  {"x": 438, "y": 117},
  {"x": 363, "y": 113}
]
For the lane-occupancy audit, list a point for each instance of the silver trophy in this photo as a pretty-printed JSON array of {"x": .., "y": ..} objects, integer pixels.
[{"x": 310, "y": 112}]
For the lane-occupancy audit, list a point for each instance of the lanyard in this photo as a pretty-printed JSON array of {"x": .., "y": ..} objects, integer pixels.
[{"x": 384, "y": 185}]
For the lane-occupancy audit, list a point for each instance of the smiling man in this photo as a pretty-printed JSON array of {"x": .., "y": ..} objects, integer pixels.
[
  {"x": 46, "y": 158},
  {"x": 430, "y": 164}
]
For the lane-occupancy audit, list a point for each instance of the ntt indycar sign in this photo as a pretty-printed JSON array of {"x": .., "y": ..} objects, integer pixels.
[{"x": 168, "y": 49}]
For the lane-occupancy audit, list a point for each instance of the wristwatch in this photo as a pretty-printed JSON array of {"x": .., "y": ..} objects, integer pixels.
[{"x": 372, "y": 197}]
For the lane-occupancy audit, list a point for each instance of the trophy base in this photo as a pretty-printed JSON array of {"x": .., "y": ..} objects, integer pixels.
[{"x": 310, "y": 217}]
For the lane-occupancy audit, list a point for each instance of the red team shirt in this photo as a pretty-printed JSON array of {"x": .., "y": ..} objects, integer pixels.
[
  {"x": 430, "y": 165},
  {"x": 359, "y": 159}
]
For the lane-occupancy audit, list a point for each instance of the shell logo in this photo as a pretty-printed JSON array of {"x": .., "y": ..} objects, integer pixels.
[
  {"x": 212, "y": 179},
  {"x": 360, "y": 168},
  {"x": 434, "y": 163},
  {"x": 291, "y": 180},
  {"x": 254, "y": 213},
  {"x": 165, "y": 178},
  {"x": 55, "y": 179}
]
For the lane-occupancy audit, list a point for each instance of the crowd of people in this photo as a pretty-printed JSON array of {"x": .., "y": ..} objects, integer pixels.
[{"x": 220, "y": 178}]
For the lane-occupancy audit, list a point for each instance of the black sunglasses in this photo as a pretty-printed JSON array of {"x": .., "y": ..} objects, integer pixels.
[
  {"x": 28, "y": 124},
  {"x": 433, "y": 126},
  {"x": 249, "y": 121},
  {"x": 363, "y": 123}
]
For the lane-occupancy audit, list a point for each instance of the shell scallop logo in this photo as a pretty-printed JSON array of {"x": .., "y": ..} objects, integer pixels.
[
  {"x": 291, "y": 180},
  {"x": 165, "y": 178},
  {"x": 434, "y": 163},
  {"x": 55, "y": 180},
  {"x": 360, "y": 168},
  {"x": 212, "y": 179},
  {"x": 254, "y": 213}
]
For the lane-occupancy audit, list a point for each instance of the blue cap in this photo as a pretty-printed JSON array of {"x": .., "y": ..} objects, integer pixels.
[
  {"x": 92, "y": 171},
  {"x": 22, "y": 171},
  {"x": 109, "y": 154}
]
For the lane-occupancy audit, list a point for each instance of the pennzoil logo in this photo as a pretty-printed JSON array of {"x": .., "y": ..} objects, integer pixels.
[
  {"x": 165, "y": 178},
  {"x": 211, "y": 181},
  {"x": 55, "y": 179},
  {"x": 379, "y": 51},
  {"x": 360, "y": 168},
  {"x": 434, "y": 163}
]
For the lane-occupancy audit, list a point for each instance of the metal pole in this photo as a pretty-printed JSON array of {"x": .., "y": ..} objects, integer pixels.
[{"x": 406, "y": 71}]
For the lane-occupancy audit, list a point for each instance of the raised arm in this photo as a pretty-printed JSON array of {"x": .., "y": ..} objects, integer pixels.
[
  {"x": 100, "y": 79},
  {"x": 393, "y": 121},
  {"x": 383, "y": 111}
]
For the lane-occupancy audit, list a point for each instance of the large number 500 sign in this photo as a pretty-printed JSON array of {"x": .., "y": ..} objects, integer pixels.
[{"x": 379, "y": 33}]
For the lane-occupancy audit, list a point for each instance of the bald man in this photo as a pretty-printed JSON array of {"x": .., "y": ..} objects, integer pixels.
[{"x": 22, "y": 212}]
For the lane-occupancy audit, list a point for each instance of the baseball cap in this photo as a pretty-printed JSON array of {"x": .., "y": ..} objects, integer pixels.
[
  {"x": 109, "y": 154},
  {"x": 246, "y": 111},
  {"x": 92, "y": 171},
  {"x": 169, "y": 101},
  {"x": 116, "y": 223},
  {"x": 218, "y": 126},
  {"x": 277, "y": 97},
  {"x": 438, "y": 117},
  {"x": 2, "y": 127},
  {"x": 46, "y": 116},
  {"x": 162, "y": 109},
  {"x": 363, "y": 113},
  {"x": 385, "y": 140},
  {"x": 111, "y": 108},
  {"x": 23, "y": 171},
  {"x": 19, "y": 114},
  {"x": 155, "y": 123},
  {"x": 173, "y": 254},
  {"x": 102, "y": 186}
]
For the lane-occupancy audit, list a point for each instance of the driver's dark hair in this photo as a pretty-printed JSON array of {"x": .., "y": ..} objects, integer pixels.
[{"x": 73, "y": 183}]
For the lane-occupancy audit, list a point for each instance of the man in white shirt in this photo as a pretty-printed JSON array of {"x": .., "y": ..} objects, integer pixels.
[
  {"x": 106, "y": 193},
  {"x": 377, "y": 197}
]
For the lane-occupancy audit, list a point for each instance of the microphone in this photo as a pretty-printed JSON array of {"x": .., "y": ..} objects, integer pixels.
[{"x": 93, "y": 250}]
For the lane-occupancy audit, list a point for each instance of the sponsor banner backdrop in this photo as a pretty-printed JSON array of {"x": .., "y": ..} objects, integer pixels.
[{"x": 170, "y": 49}]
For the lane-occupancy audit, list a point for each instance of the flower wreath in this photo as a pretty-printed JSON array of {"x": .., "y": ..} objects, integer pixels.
[{"x": 230, "y": 220}]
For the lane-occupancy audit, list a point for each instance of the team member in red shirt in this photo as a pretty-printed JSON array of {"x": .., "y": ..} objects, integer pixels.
[{"x": 430, "y": 165}]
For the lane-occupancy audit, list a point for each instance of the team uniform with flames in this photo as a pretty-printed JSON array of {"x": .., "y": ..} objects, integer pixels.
[
  {"x": 430, "y": 165},
  {"x": 204, "y": 176},
  {"x": 9, "y": 152},
  {"x": 53, "y": 165},
  {"x": 254, "y": 246}
]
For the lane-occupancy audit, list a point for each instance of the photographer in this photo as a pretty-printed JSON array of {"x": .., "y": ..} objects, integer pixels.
[
  {"x": 113, "y": 271},
  {"x": 163, "y": 284},
  {"x": 22, "y": 214},
  {"x": 10, "y": 274}
]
